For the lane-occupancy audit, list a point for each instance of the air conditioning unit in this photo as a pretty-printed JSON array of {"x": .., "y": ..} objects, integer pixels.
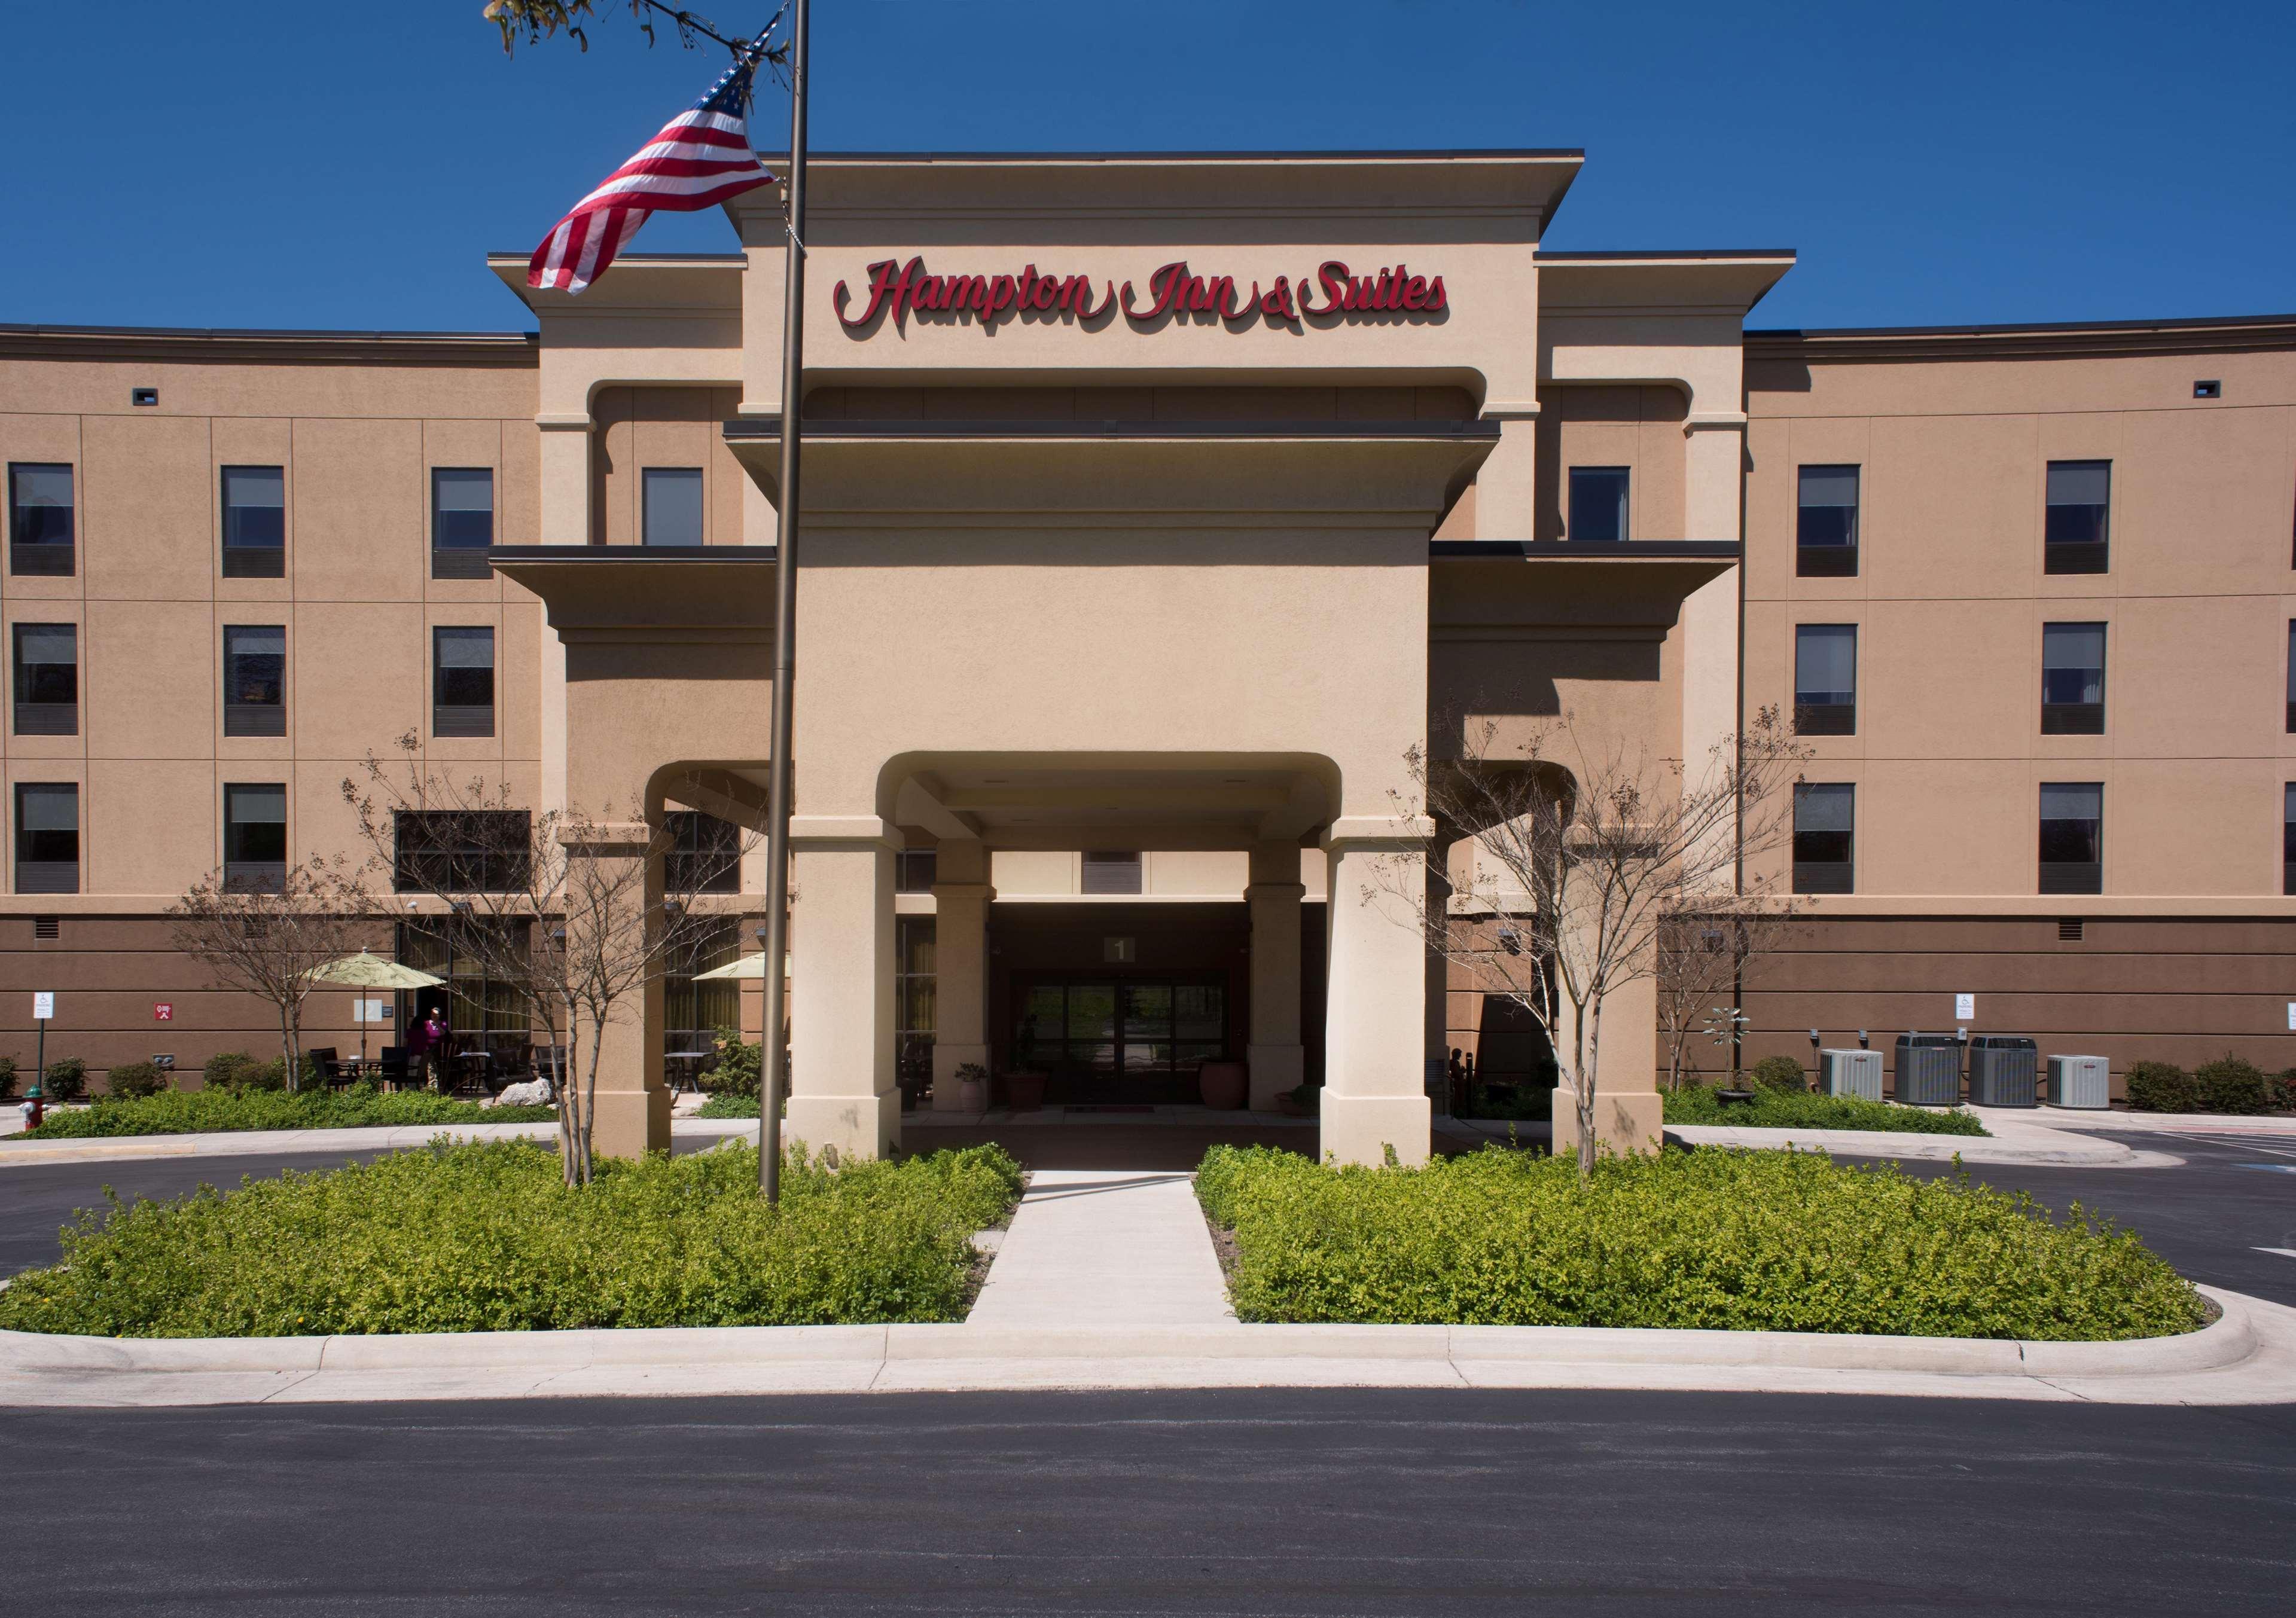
[
  {"x": 1850, "y": 1073},
  {"x": 2001, "y": 1070},
  {"x": 1929, "y": 1069},
  {"x": 2081, "y": 1081}
]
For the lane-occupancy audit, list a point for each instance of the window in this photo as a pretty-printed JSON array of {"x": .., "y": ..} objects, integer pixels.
[
  {"x": 40, "y": 518},
  {"x": 915, "y": 869},
  {"x": 254, "y": 680},
  {"x": 2073, "y": 679},
  {"x": 673, "y": 505},
  {"x": 461, "y": 682},
  {"x": 485, "y": 1012},
  {"x": 2291, "y": 677},
  {"x": 2080, "y": 500},
  {"x": 704, "y": 854},
  {"x": 1825, "y": 679},
  {"x": 461, "y": 850},
  {"x": 914, "y": 939},
  {"x": 254, "y": 522},
  {"x": 2288, "y": 839},
  {"x": 462, "y": 521},
  {"x": 1598, "y": 503},
  {"x": 254, "y": 838},
  {"x": 1111, "y": 873},
  {"x": 692, "y": 1009},
  {"x": 47, "y": 680},
  {"x": 2072, "y": 837},
  {"x": 1825, "y": 529},
  {"x": 48, "y": 838},
  {"x": 1825, "y": 828}
]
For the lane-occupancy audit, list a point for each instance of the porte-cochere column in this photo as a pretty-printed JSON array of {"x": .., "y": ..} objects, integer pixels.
[
  {"x": 1375, "y": 1035},
  {"x": 841, "y": 1068}
]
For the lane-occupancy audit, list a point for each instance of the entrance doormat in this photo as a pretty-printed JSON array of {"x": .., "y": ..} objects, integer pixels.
[{"x": 1105, "y": 1107}]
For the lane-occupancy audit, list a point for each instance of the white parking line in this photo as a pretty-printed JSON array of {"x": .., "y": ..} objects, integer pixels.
[{"x": 2283, "y": 1252}]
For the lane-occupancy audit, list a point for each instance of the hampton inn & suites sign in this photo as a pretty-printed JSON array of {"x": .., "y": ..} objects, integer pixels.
[{"x": 1334, "y": 291}]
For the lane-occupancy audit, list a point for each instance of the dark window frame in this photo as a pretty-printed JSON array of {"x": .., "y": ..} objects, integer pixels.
[
  {"x": 454, "y": 711},
  {"x": 1821, "y": 863},
  {"x": 38, "y": 554},
  {"x": 2080, "y": 540},
  {"x": 493, "y": 852},
  {"x": 700, "y": 477},
  {"x": 2080, "y": 718},
  {"x": 2288, "y": 838},
  {"x": 40, "y": 868},
  {"x": 2064, "y": 835},
  {"x": 1574, "y": 528},
  {"x": 704, "y": 854},
  {"x": 38, "y": 710},
  {"x": 258, "y": 717},
  {"x": 461, "y": 556},
  {"x": 1826, "y": 547},
  {"x": 254, "y": 860},
  {"x": 256, "y": 557},
  {"x": 915, "y": 869},
  {"x": 1831, "y": 718}
]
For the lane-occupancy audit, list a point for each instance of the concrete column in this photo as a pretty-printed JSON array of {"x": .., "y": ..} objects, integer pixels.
[
  {"x": 1626, "y": 1074},
  {"x": 1506, "y": 485},
  {"x": 841, "y": 1088},
  {"x": 565, "y": 515},
  {"x": 631, "y": 1106},
  {"x": 1440, "y": 855},
  {"x": 1714, "y": 458},
  {"x": 1278, "y": 1062},
  {"x": 960, "y": 900},
  {"x": 1375, "y": 1035}
]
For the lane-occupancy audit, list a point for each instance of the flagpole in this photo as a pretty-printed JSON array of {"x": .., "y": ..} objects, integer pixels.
[{"x": 771, "y": 1077}]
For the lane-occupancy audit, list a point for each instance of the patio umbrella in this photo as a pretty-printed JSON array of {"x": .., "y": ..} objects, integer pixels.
[
  {"x": 746, "y": 966},
  {"x": 365, "y": 970}
]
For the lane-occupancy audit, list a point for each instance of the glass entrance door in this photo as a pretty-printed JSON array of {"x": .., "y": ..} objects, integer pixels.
[{"x": 1132, "y": 1039}]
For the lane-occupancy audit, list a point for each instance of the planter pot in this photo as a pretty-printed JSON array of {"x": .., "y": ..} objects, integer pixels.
[
  {"x": 971, "y": 1095},
  {"x": 1734, "y": 1097},
  {"x": 1222, "y": 1085},
  {"x": 1025, "y": 1090}
]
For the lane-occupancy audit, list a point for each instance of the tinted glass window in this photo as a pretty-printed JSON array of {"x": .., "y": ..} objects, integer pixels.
[
  {"x": 2079, "y": 506},
  {"x": 1598, "y": 503},
  {"x": 1825, "y": 679},
  {"x": 461, "y": 508},
  {"x": 2072, "y": 836},
  {"x": 463, "y": 682},
  {"x": 2073, "y": 679},
  {"x": 48, "y": 838},
  {"x": 47, "y": 663},
  {"x": 254, "y": 521},
  {"x": 1828, "y": 514},
  {"x": 1824, "y": 827},
  {"x": 673, "y": 505},
  {"x": 254, "y": 680},
  {"x": 40, "y": 518}
]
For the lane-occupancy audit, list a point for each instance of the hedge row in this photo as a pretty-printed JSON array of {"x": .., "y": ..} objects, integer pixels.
[
  {"x": 190, "y": 1112},
  {"x": 1789, "y": 1110},
  {"x": 1786, "y": 1241},
  {"x": 487, "y": 1238},
  {"x": 2229, "y": 1084}
]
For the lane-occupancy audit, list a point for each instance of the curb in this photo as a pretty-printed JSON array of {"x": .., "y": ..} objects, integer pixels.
[{"x": 2246, "y": 1356}]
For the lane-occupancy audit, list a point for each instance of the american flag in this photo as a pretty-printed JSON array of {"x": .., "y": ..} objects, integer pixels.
[{"x": 700, "y": 159}]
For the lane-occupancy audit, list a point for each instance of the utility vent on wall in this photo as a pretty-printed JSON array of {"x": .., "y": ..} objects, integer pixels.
[
  {"x": 46, "y": 927},
  {"x": 2068, "y": 930}
]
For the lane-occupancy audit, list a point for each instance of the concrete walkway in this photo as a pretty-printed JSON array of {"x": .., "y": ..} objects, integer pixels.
[
  {"x": 2014, "y": 1136},
  {"x": 17, "y": 1152},
  {"x": 1095, "y": 1248}
]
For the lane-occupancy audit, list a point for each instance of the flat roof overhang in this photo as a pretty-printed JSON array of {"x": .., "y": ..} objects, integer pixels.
[
  {"x": 690, "y": 590},
  {"x": 1202, "y": 463},
  {"x": 1490, "y": 584}
]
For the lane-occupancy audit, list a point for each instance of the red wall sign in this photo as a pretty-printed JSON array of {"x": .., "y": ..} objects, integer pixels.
[
  {"x": 163, "y": 1011},
  {"x": 1335, "y": 292}
]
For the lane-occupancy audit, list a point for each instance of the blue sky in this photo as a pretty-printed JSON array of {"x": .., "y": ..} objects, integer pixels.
[{"x": 246, "y": 165}]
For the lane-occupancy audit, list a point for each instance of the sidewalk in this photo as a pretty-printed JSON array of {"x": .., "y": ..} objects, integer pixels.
[
  {"x": 17, "y": 1152},
  {"x": 2156, "y": 1124},
  {"x": 2015, "y": 1136},
  {"x": 1095, "y": 1248}
]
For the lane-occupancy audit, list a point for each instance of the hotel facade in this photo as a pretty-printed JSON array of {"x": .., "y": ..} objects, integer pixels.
[{"x": 1156, "y": 507}]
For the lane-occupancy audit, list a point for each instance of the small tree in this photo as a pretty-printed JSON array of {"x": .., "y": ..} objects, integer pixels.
[
  {"x": 1580, "y": 861},
  {"x": 268, "y": 940},
  {"x": 553, "y": 907},
  {"x": 1703, "y": 952}
]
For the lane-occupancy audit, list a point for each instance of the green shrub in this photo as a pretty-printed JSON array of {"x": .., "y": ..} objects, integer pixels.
[
  {"x": 1787, "y": 1109},
  {"x": 487, "y": 1238},
  {"x": 725, "y": 1105},
  {"x": 1787, "y": 1241},
  {"x": 739, "y": 1070},
  {"x": 2283, "y": 1090},
  {"x": 66, "y": 1079},
  {"x": 182, "y": 1112},
  {"x": 1779, "y": 1073},
  {"x": 2232, "y": 1084},
  {"x": 2161, "y": 1087},
  {"x": 1534, "y": 1102},
  {"x": 7, "y": 1078},
  {"x": 233, "y": 1071},
  {"x": 132, "y": 1080}
]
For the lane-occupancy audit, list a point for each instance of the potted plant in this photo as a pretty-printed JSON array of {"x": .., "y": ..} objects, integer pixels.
[
  {"x": 1024, "y": 1092},
  {"x": 971, "y": 1087},
  {"x": 1222, "y": 1086},
  {"x": 1738, "y": 1092}
]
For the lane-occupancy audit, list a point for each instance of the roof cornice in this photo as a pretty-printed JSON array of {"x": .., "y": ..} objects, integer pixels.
[
  {"x": 202, "y": 345},
  {"x": 2066, "y": 339}
]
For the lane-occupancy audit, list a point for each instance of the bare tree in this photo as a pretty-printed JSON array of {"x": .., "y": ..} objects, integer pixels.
[
  {"x": 267, "y": 939},
  {"x": 1703, "y": 952},
  {"x": 1571, "y": 863},
  {"x": 554, "y": 908}
]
